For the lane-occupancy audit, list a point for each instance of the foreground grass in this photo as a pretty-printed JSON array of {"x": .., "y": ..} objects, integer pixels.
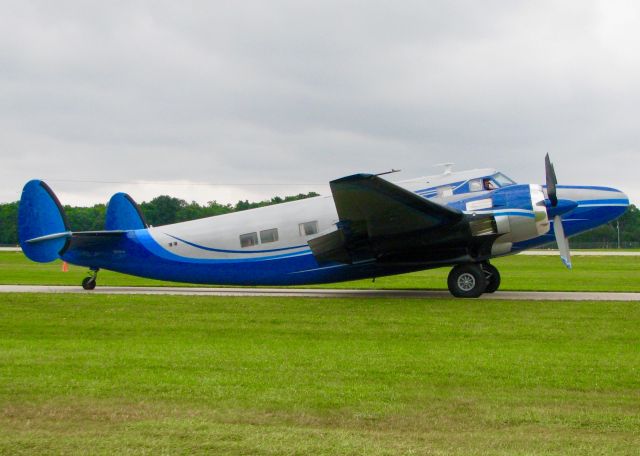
[
  {"x": 140, "y": 374},
  {"x": 543, "y": 273}
]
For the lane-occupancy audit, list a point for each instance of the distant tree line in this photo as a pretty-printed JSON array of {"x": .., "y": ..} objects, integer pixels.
[
  {"x": 164, "y": 209},
  {"x": 161, "y": 210}
]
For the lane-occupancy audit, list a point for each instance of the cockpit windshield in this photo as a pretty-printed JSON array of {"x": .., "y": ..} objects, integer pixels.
[{"x": 502, "y": 180}]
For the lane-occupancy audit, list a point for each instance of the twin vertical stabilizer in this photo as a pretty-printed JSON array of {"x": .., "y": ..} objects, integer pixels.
[{"x": 43, "y": 229}]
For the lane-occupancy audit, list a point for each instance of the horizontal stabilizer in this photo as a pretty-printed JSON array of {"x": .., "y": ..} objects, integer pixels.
[
  {"x": 123, "y": 214},
  {"x": 41, "y": 217},
  {"x": 50, "y": 237},
  {"x": 43, "y": 229},
  {"x": 88, "y": 242}
]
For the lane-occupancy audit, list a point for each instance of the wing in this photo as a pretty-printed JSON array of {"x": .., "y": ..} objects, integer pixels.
[
  {"x": 377, "y": 217},
  {"x": 385, "y": 209}
]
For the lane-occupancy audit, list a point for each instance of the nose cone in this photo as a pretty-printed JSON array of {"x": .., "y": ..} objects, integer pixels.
[
  {"x": 620, "y": 204},
  {"x": 597, "y": 204}
]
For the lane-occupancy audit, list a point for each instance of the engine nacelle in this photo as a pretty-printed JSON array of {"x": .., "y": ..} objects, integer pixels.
[{"x": 520, "y": 213}]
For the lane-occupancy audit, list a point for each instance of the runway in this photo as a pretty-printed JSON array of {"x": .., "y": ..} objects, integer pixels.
[
  {"x": 539, "y": 252},
  {"x": 631, "y": 253},
  {"x": 323, "y": 293}
]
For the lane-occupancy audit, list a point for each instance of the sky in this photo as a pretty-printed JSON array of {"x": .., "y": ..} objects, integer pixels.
[{"x": 221, "y": 101}]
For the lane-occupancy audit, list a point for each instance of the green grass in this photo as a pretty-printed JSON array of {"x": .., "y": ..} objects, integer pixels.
[
  {"x": 544, "y": 273},
  {"x": 94, "y": 374}
]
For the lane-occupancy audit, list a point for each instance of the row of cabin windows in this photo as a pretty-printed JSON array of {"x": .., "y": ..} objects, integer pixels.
[{"x": 271, "y": 235}]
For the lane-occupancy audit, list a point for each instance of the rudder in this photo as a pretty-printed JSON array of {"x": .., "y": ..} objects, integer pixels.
[
  {"x": 123, "y": 214},
  {"x": 43, "y": 229}
]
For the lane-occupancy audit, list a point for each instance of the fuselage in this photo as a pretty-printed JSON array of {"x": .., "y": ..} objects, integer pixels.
[{"x": 269, "y": 245}]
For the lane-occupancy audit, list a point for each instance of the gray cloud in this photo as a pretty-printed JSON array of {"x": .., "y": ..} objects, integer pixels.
[{"x": 302, "y": 92}]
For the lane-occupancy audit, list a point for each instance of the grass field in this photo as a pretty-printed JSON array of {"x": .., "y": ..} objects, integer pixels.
[
  {"x": 544, "y": 273},
  {"x": 99, "y": 374},
  {"x": 93, "y": 374}
]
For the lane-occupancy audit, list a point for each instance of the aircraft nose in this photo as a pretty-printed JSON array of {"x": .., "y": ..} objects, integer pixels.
[
  {"x": 623, "y": 197},
  {"x": 617, "y": 198},
  {"x": 605, "y": 202}
]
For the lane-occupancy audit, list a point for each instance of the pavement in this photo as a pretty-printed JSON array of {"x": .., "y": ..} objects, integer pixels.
[
  {"x": 541, "y": 252},
  {"x": 322, "y": 293},
  {"x": 582, "y": 253}
]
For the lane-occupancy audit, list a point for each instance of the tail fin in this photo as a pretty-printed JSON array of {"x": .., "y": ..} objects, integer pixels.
[
  {"x": 123, "y": 214},
  {"x": 43, "y": 229}
]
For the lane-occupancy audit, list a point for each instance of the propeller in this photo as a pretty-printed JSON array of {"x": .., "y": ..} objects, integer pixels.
[
  {"x": 552, "y": 181},
  {"x": 555, "y": 209}
]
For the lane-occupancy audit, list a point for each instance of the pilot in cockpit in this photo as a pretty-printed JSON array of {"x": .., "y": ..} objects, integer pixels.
[{"x": 488, "y": 184}]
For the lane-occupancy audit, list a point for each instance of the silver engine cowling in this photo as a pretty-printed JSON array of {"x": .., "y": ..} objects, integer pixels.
[{"x": 520, "y": 214}]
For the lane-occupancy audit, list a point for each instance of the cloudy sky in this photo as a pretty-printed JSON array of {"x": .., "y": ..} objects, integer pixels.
[{"x": 209, "y": 100}]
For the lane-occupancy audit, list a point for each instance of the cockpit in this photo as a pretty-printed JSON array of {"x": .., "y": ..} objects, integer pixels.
[
  {"x": 462, "y": 183},
  {"x": 488, "y": 183}
]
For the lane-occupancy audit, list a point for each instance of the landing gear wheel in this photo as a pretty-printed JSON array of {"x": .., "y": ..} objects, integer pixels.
[
  {"x": 493, "y": 277},
  {"x": 467, "y": 281},
  {"x": 88, "y": 283}
]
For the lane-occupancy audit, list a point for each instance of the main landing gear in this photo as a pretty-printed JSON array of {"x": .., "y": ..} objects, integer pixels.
[
  {"x": 89, "y": 283},
  {"x": 470, "y": 280}
]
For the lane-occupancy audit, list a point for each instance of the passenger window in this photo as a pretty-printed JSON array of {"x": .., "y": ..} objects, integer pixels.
[
  {"x": 248, "y": 240},
  {"x": 308, "y": 228},
  {"x": 475, "y": 185},
  {"x": 269, "y": 235}
]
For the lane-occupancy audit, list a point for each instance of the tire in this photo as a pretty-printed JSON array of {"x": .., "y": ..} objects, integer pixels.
[
  {"x": 493, "y": 277},
  {"x": 88, "y": 283},
  {"x": 467, "y": 281}
]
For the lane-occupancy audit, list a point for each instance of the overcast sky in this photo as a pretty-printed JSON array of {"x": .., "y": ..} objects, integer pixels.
[{"x": 95, "y": 96}]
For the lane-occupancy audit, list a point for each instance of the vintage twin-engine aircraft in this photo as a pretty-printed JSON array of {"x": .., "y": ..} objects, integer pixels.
[{"x": 368, "y": 227}]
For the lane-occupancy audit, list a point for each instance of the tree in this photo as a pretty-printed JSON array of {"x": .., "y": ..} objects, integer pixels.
[
  {"x": 9, "y": 223},
  {"x": 86, "y": 218},
  {"x": 162, "y": 210}
]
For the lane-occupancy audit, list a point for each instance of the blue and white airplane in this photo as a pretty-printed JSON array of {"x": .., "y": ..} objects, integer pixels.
[{"x": 369, "y": 227}]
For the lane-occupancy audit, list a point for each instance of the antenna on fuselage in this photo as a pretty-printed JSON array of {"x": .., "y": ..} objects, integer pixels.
[
  {"x": 448, "y": 167},
  {"x": 389, "y": 172}
]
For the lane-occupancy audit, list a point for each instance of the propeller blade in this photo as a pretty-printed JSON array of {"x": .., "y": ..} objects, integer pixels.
[
  {"x": 562, "y": 241},
  {"x": 552, "y": 181}
]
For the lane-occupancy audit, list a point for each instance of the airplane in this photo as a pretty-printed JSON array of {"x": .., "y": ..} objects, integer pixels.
[{"x": 368, "y": 227}]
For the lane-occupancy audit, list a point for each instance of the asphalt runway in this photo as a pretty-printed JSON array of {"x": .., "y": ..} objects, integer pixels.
[
  {"x": 322, "y": 293},
  {"x": 582, "y": 253},
  {"x": 540, "y": 252}
]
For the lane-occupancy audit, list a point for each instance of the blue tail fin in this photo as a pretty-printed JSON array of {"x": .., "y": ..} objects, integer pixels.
[
  {"x": 123, "y": 214},
  {"x": 43, "y": 229}
]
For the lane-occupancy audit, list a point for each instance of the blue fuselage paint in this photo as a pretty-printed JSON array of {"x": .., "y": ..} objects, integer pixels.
[
  {"x": 141, "y": 253},
  {"x": 138, "y": 254}
]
